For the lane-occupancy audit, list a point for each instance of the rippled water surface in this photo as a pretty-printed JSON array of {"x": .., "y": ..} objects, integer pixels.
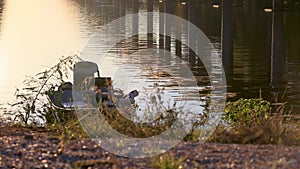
[{"x": 260, "y": 51}]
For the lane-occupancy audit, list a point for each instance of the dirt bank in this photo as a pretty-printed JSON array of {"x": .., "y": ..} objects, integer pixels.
[{"x": 35, "y": 148}]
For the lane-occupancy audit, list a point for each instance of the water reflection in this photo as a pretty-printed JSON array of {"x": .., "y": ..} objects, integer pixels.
[
  {"x": 253, "y": 51},
  {"x": 278, "y": 59},
  {"x": 128, "y": 61},
  {"x": 34, "y": 34},
  {"x": 227, "y": 37},
  {"x": 260, "y": 51}
]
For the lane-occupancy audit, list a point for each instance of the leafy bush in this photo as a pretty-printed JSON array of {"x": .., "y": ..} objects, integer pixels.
[
  {"x": 255, "y": 121},
  {"x": 244, "y": 111}
]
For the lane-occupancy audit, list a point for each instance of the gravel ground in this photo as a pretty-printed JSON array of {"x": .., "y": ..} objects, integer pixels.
[{"x": 34, "y": 148}]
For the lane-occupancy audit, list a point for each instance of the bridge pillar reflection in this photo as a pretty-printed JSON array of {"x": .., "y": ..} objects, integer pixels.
[
  {"x": 150, "y": 23},
  {"x": 135, "y": 23},
  {"x": 277, "y": 5},
  {"x": 191, "y": 18},
  {"x": 227, "y": 3},
  {"x": 168, "y": 8},
  {"x": 227, "y": 37},
  {"x": 117, "y": 8},
  {"x": 180, "y": 29},
  {"x": 161, "y": 26},
  {"x": 277, "y": 50}
]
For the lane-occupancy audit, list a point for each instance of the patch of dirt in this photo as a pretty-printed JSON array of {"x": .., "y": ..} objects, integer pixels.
[{"x": 35, "y": 148}]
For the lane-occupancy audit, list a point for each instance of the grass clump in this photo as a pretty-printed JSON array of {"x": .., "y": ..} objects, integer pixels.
[
  {"x": 166, "y": 161},
  {"x": 68, "y": 130},
  {"x": 246, "y": 112},
  {"x": 256, "y": 121},
  {"x": 94, "y": 164},
  {"x": 94, "y": 121}
]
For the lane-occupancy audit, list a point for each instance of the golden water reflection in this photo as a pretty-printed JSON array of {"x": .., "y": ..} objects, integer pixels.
[{"x": 35, "y": 33}]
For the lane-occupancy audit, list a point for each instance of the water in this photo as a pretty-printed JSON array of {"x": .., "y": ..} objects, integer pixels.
[{"x": 260, "y": 50}]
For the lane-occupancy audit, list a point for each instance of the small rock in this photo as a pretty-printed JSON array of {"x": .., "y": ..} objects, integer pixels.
[
  {"x": 28, "y": 137},
  {"x": 54, "y": 140}
]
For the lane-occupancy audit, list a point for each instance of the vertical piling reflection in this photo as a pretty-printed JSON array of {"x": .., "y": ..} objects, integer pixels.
[
  {"x": 179, "y": 32},
  {"x": 192, "y": 19},
  {"x": 168, "y": 27},
  {"x": 117, "y": 8},
  {"x": 277, "y": 5},
  {"x": 227, "y": 37},
  {"x": 135, "y": 23},
  {"x": 161, "y": 26},
  {"x": 122, "y": 7},
  {"x": 150, "y": 23},
  {"x": 277, "y": 50}
]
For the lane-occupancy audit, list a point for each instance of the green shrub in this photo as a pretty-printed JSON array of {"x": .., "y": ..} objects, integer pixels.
[
  {"x": 255, "y": 121},
  {"x": 244, "y": 111}
]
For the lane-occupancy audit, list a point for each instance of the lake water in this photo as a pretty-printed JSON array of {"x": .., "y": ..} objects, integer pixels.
[{"x": 260, "y": 50}]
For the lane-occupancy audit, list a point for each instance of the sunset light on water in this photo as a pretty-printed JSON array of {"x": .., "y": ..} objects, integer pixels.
[{"x": 34, "y": 35}]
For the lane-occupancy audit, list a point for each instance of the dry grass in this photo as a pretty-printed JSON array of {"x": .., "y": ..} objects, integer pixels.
[
  {"x": 72, "y": 128},
  {"x": 259, "y": 126},
  {"x": 268, "y": 127},
  {"x": 166, "y": 161}
]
